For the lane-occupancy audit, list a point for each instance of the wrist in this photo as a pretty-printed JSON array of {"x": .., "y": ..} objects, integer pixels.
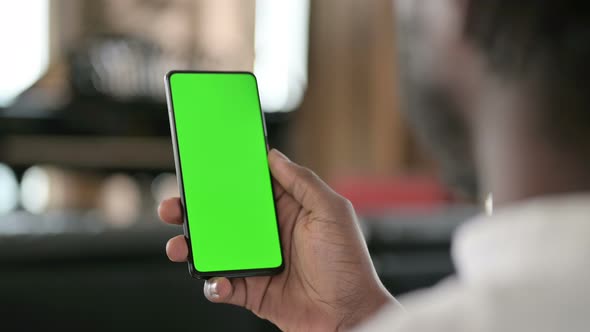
[{"x": 374, "y": 301}]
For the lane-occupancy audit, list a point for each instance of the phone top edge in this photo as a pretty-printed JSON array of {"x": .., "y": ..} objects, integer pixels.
[
  {"x": 170, "y": 73},
  {"x": 189, "y": 71}
]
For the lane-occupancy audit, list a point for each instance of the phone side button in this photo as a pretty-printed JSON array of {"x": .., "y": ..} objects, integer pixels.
[{"x": 185, "y": 229}]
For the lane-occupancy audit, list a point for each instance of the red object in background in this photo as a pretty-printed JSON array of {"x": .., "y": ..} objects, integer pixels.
[{"x": 385, "y": 194}]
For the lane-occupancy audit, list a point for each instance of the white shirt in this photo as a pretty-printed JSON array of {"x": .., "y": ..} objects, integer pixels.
[{"x": 525, "y": 269}]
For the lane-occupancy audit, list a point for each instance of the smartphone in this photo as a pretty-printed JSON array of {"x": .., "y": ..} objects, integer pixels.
[{"x": 220, "y": 151}]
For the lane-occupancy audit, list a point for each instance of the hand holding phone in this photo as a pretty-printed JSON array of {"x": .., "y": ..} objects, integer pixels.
[{"x": 329, "y": 282}]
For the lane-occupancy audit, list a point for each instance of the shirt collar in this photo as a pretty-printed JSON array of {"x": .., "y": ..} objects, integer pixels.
[{"x": 542, "y": 236}]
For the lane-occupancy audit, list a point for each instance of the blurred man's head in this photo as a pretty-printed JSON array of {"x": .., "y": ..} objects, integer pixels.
[{"x": 511, "y": 74}]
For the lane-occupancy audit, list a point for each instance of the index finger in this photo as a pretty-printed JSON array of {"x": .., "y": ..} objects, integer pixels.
[
  {"x": 170, "y": 211},
  {"x": 304, "y": 185}
]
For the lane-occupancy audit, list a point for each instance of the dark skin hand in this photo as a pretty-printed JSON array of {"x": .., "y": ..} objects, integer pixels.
[{"x": 329, "y": 282}]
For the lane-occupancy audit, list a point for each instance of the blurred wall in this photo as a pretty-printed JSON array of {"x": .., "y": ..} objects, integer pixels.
[
  {"x": 216, "y": 34},
  {"x": 349, "y": 123}
]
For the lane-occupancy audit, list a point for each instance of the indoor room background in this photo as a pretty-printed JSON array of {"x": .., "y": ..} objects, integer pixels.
[{"x": 86, "y": 156}]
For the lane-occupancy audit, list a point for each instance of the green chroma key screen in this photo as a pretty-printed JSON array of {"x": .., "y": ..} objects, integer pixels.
[{"x": 221, "y": 149}]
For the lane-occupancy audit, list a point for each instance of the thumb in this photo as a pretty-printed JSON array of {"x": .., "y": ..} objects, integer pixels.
[
  {"x": 219, "y": 290},
  {"x": 304, "y": 185},
  {"x": 224, "y": 290}
]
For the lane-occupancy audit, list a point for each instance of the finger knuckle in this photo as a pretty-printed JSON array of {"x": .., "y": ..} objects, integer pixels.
[
  {"x": 345, "y": 204},
  {"x": 303, "y": 178},
  {"x": 304, "y": 174}
]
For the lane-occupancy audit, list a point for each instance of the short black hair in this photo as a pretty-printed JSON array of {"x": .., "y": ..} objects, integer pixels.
[{"x": 545, "y": 43}]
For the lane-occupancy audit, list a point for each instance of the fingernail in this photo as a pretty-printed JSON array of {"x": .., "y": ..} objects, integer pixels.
[
  {"x": 159, "y": 208},
  {"x": 211, "y": 290},
  {"x": 167, "y": 245},
  {"x": 280, "y": 154}
]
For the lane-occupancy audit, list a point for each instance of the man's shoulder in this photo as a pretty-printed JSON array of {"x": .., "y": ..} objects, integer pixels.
[
  {"x": 459, "y": 306},
  {"x": 524, "y": 269}
]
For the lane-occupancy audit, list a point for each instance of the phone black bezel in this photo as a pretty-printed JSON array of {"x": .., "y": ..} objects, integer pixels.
[{"x": 192, "y": 270}]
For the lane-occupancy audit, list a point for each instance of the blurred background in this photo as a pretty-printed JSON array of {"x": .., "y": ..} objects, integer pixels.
[{"x": 85, "y": 150}]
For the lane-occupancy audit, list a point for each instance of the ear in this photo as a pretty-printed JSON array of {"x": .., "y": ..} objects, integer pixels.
[
  {"x": 460, "y": 63},
  {"x": 461, "y": 8},
  {"x": 442, "y": 18},
  {"x": 462, "y": 4}
]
